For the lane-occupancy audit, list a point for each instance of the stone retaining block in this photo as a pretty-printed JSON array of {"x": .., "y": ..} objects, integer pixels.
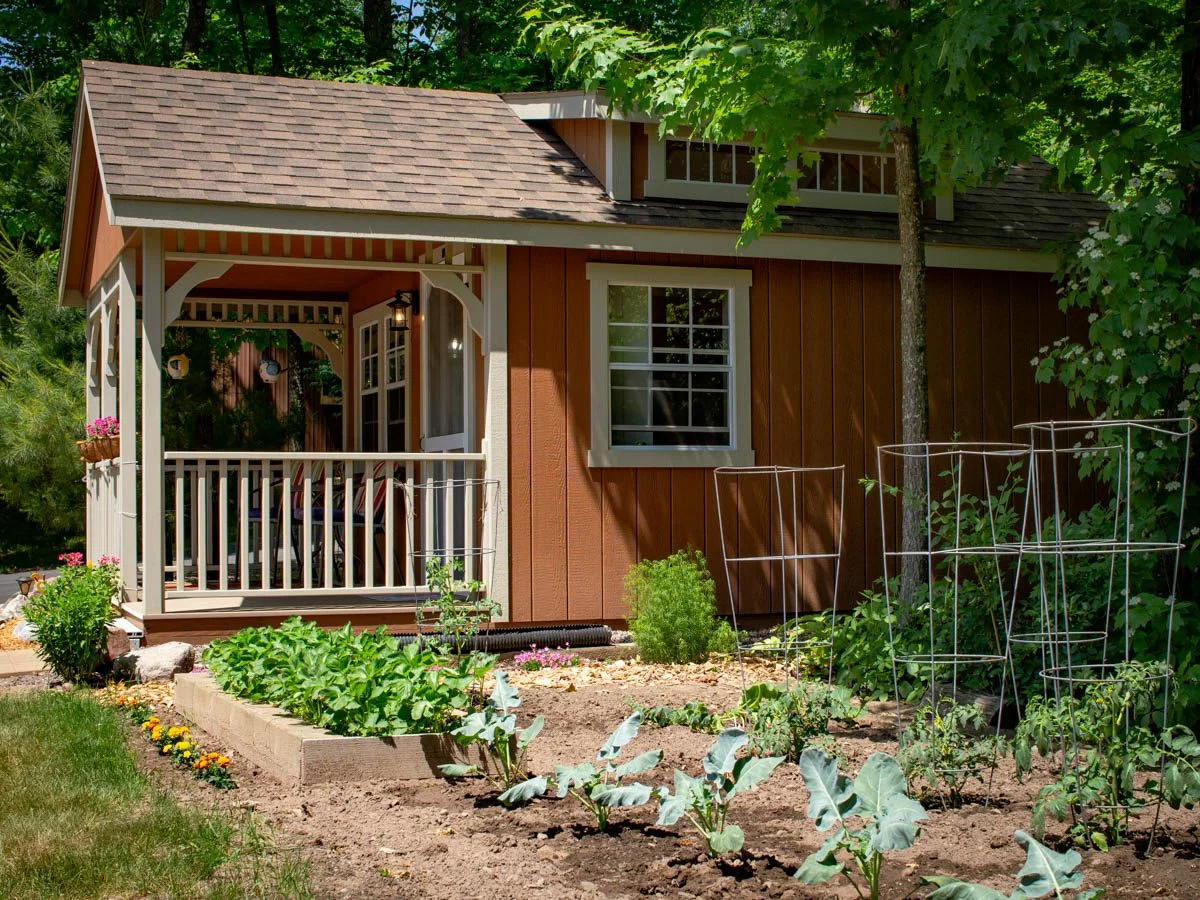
[{"x": 292, "y": 750}]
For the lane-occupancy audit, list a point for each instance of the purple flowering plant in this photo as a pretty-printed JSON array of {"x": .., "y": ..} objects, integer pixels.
[
  {"x": 535, "y": 658},
  {"x": 105, "y": 426}
]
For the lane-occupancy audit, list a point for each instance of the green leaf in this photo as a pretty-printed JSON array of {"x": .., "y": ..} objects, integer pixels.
[
  {"x": 822, "y": 865},
  {"x": 1045, "y": 870},
  {"x": 520, "y": 794},
  {"x": 504, "y": 696},
  {"x": 830, "y": 796},
  {"x": 879, "y": 780},
  {"x": 457, "y": 770},
  {"x": 751, "y": 771},
  {"x": 672, "y": 806},
  {"x": 894, "y": 829},
  {"x": 634, "y": 794},
  {"x": 952, "y": 889},
  {"x": 728, "y": 840},
  {"x": 721, "y": 755},
  {"x": 579, "y": 776},
  {"x": 639, "y": 764},
  {"x": 624, "y": 733},
  {"x": 525, "y": 738}
]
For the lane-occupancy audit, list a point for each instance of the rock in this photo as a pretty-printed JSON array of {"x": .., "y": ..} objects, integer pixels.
[
  {"x": 621, "y": 637},
  {"x": 158, "y": 663},
  {"x": 12, "y": 608},
  {"x": 117, "y": 644},
  {"x": 25, "y": 631}
]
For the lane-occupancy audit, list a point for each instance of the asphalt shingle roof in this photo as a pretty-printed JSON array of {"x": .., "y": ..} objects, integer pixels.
[{"x": 175, "y": 134}]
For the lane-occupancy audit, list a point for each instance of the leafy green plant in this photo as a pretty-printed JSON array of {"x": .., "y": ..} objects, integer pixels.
[
  {"x": 70, "y": 613},
  {"x": 599, "y": 788},
  {"x": 694, "y": 714},
  {"x": 494, "y": 730},
  {"x": 944, "y": 748},
  {"x": 705, "y": 801},
  {"x": 1106, "y": 738},
  {"x": 876, "y": 795},
  {"x": 351, "y": 684},
  {"x": 1045, "y": 872},
  {"x": 783, "y": 722},
  {"x": 673, "y": 612},
  {"x": 458, "y": 622}
]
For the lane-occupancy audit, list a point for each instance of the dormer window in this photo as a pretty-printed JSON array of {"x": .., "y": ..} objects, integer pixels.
[
  {"x": 705, "y": 163},
  {"x": 847, "y": 172}
]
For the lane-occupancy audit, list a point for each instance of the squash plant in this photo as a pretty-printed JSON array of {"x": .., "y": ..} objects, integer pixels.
[
  {"x": 876, "y": 795},
  {"x": 706, "y": 800},
  {"x": 599, "y": 788}
]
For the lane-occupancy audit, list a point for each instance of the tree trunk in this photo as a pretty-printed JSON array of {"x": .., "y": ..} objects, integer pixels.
[
  {"x": 273, "y": 37},
  {"x": 193, "y": 32},
  {"x": 914, "y": 377},
  {"x": 247, "y": 59},
  {"x": 377, "y": 29}
]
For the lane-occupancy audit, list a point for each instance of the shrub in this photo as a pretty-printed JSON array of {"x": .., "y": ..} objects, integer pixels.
[
  {"x": 70, "y": 613},
  {"x": 673, "y": 611},
  {"x": 350, "y": 684}
]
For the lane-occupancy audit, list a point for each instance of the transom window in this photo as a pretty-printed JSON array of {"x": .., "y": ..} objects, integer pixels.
[
  {"x": 669, "y": 365},
  {"x": 836, "y": 171},
  {"x": 700, "y": 161}
]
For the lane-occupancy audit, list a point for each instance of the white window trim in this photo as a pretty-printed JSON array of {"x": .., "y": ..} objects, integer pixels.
[{"x": 737, "y": 281}]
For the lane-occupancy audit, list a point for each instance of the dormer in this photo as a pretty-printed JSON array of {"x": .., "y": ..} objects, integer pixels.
[{"x": 845, "y": 170}]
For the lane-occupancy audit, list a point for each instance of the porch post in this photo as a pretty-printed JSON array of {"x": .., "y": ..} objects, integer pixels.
[
  {"x": 93, "y": 412},
  {"x": 495, "y": 443},
  {"x": 153, "y": 276},
  {"x": 127, "y": 399}
]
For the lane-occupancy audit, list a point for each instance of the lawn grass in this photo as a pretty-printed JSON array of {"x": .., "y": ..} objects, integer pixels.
[{"x": 77, "y": 818}]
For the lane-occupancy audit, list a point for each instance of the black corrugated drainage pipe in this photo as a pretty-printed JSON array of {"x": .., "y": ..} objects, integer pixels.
[{"x": 501, "y": 640}]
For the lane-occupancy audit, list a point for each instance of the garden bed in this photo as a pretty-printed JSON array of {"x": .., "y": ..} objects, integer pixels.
[{"x": 292, "y": 750}]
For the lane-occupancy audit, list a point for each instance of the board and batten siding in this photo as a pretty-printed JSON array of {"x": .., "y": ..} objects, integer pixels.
[{"x": 825, "y": 391}]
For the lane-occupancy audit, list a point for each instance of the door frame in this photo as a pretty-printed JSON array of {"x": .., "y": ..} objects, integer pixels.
[
  {"x": 378, "y": 315},
  {"x": 459, "y": 441}
]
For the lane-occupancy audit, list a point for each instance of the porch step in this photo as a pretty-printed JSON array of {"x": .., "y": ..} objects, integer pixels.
[{"x": 132, "y": 630}]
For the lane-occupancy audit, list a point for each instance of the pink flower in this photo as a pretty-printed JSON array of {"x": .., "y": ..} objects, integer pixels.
[
  {"x": 74, "y": 558},
  {"x": 109, "y": 561},
  {"x": 105, "y": 426}
]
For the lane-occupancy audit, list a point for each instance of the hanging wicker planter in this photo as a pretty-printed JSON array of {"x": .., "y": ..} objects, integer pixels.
[
  {"x": 103, "y": 440},
  {"x": 108, "y": 447},
  {"x": 89, "y": 452}
]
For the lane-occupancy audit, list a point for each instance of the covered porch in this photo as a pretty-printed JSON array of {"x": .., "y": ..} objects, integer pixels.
[{"x": 337, "y": 526}]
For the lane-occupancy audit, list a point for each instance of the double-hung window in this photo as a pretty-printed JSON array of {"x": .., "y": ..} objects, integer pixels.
[{"x": 670, "y": 366}]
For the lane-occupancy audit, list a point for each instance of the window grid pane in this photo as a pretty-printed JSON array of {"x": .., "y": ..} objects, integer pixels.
[
  {"x": 835, "y": 172},
  {"x": 669, "y": 368}
]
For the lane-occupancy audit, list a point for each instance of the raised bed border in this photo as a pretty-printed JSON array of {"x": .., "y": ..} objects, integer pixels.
[{"x": 294, "y": 751}]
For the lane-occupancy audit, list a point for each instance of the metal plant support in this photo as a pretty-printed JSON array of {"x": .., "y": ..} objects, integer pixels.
[
  {"x": 951, "y": 625},
  {"x": 1065, "y": 552},
  {"x": 802, "y": 540}
]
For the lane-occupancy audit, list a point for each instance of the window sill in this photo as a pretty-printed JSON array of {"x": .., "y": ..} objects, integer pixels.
[{"x": 662, "y": 458}]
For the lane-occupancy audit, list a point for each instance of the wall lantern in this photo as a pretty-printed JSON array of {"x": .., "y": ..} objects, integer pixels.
[
  {"x": 455, "y": 347},
  {"x": 177, "y": 366},
  {"x": 402, "y": 309},
  {"x": 24, "y": 585},
  {"x": 268, "y": 370}
]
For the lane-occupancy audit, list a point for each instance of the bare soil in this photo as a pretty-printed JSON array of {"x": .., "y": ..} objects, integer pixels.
[{"x": 448, "y": 840}]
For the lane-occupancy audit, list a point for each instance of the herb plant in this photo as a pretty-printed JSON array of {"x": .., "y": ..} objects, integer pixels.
[
  {"x": 459, "y": 620},
  {"x": 350, "y": 684},
  {"x": 1106, "y": 739},
  {"x": 70, "y": 613},
  {"x": 673, "y": 610},
  {"x": 599, "y": 788},
  {"x": 494, "y": 730},
  {"x": 783, "y": 722},
  {"x": 943, "y": 748},
  {"x": 876, "y": 795},
  {"x": 706, "y": 800},
  {"x": 1045, "y": 872}
]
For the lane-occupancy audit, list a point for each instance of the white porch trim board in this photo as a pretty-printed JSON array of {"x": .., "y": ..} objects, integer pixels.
[
  {"x": 127, "y": 390},
  {"x": 495, "y": 429},
  {"x": 153, "y": 301}
]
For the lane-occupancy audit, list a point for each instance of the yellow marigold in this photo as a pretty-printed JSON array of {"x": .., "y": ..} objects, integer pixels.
[
  {"x": 222, "y": 761},
  {"x": 157, "y": 733},
  {"x": 200, "y": 764},
  {"x": 166, "y": 748},
  {"x": 183, "y": 745},
  {"x": 147, "y": 725},
  {"x": 187, "y": 754}
]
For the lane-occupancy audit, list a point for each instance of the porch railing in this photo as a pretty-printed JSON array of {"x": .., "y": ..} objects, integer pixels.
[
  {"x": 103, "y": 480},
  {"x": 317, "y": 524}
]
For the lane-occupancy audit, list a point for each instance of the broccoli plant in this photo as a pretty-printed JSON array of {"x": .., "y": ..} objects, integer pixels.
[
  {"x": 494, "y": 730},
  {"x": 600, "y": 788},
  {"x": 877, "y": 795},
  {"x": 705, "y": 801},
  {"x": 1045, "y": 872}
]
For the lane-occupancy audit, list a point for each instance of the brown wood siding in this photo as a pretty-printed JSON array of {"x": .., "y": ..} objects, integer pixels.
[
  {"x": 639, "y": 163},
  {"x": 824, "y": 372},
  {"x": 585, "y": 137}
]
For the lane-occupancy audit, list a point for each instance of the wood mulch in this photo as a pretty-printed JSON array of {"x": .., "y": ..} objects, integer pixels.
[{"x": 8, "y": 642}]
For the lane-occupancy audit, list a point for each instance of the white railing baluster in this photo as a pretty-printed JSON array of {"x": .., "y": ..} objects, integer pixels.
[
  {"x": 179, "y": 572},
  {"x": 469, "y": 487},
  {"x": 451, "y": 545},
  {"x": 264, "y": 505},
  {"x": 328, "y": 526},
  {"x": 244, "y": 525},
  {"x": 348, "y": 527},
  {"x": 389, "y": 525},
  {"x": 306, "y": 535},
  {"x": 202, "y": 525},
  {"x": 285, "y": 522},
  {"x": 410, "y": 513},
  {"x": 368, "y": 525},
  {"x": 223, "y": 525},
  {"x": 429, "y": 501}
]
